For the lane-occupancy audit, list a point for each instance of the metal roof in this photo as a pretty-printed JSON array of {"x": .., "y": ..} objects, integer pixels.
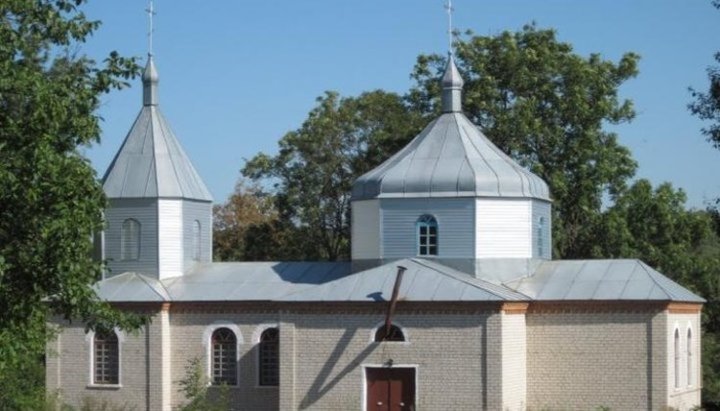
[
  {"x": 151, "y": 163},
  {"x": 132, "y": 287},
  {"x": 252, "y": 281},
  {"x": 424, "y": 280},
  {"x": 600, "y": 280},
  {"x": 451, "y": 157}
]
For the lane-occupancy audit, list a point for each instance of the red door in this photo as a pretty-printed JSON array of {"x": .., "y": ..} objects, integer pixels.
[{"x": 390, "y": 389}]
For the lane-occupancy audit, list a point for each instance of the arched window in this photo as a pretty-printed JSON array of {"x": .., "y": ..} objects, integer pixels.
[
  {"x": 269, "y": 357},
  {"x": 395, "y": 334},
  {"x": 130, "y": 240},
  {"x": 677, "y": 358},
  {"x": 541, "y": 236},
  {"x": 427, "y": 235},
  {"x": 224, "y": 357},
  {"x": 196, "y": 245},
  {"x": 106, "y": 358},
  {"x": 690, "y": 376}
]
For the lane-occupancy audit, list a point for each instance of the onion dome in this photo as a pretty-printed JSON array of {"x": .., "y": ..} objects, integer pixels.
[{"x": 451, "y": 157}]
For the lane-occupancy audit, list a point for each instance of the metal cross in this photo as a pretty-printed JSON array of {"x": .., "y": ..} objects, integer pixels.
[
  {"x": 450, "y": 9},
  {"x": 151, "y": 12}
]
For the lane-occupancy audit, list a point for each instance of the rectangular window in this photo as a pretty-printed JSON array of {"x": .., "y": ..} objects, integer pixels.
[{"x": 106, "y": 356}]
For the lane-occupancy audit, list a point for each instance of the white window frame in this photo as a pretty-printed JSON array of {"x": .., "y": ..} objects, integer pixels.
[
  {"x": 427, "y": 220},
  {"x": 207, "y": 343},
  {"x": 90, "y": 344},
  {"x": 377, "y": 326}
]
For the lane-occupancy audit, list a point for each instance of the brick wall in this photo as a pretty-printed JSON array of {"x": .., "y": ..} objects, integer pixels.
[
  {"x": 583, "y": 360},
  {"x": 69, "y": 370}
]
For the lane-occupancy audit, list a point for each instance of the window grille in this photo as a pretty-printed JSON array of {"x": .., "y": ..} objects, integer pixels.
[
  {"x": 427, "y": 235},
  {"x": 224, "y": 357},
  {"x": 269, "y": 358},
  {"x": 106, "y": 358}
]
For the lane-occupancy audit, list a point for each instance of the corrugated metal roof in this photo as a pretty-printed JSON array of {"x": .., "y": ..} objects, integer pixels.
[
  {"x": 151, "y": 163},
  {"x": 600, "y": 280}
]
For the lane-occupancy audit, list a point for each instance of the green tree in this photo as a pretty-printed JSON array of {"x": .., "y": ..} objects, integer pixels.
[
  {"x": 50, "y": 199},
  {"x": 707, "y": 104},
  {"x": 316, "y": 165},
  {"x": 247, "y": 207},
  {"x": 545, "y": 106}
]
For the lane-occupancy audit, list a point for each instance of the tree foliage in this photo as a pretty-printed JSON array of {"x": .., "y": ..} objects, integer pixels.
[
  {"x": 50, "y": 199},
  {"x": 707, "y": 104},
  {"x": 546, "y": 106},
  {"x": 313, "y": 172},
  {"x": 247, "y": 208}
]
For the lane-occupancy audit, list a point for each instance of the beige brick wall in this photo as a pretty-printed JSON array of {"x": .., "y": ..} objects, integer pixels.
[
  {"x": 582, "y": 360},
  {"x": 190, "y": 340},
  {"x": 68, "y": 369},
  {"x": 332, "y": 350},
  {"x": 465, "y": 359}
]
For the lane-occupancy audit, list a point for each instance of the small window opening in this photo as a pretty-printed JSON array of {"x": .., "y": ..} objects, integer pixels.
[
  {"x": 107, "y": 358},
  {"x": 541, "y": 236},
  {"x": 395, "y": 334},
  {"x": 224, "y": 357},
  {"x": 690, "y": 375},
  {"x": 677, "y": 359},
  {"x": 269, "y": 358},
  {"x": 427, "y": 235},
  {"x": 196, "y": 245},
  {"x": 130, "y": 240}
]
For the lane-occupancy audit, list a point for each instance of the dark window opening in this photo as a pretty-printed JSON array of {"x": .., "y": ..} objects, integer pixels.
[
  {"x": 107, "y": 358},
  {"x": 269, "y": 358},
  {"x": 395, "y": 334},
  {"x": 224, "y": 357}
]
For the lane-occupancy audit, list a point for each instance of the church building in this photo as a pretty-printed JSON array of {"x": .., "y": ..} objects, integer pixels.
[{"x": 483, "y": 318}]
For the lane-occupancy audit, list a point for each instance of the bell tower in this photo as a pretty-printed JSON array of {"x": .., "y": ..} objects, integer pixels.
[{"x": 159, "y": 222}]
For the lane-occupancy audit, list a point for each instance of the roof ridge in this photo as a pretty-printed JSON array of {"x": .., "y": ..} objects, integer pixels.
[
  {"x": 145, "y": 279},
  {"x": 648, "y": 270},
  {"x": 468, "y": 281}
]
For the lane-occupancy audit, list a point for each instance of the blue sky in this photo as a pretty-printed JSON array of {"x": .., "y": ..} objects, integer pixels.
[{"x": 235, "y": 76}]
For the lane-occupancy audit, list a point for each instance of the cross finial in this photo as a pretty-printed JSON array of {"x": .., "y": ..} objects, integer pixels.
[
  {"x": 450, "y": 9},
  {"x": 151, "y": 12}
]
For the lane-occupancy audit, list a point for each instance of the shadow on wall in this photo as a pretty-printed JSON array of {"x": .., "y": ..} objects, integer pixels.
[{"x": 321, "y": 385}]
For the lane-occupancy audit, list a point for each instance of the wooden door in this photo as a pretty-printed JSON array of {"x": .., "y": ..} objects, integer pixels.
[{"x": 390, "y": 389}]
